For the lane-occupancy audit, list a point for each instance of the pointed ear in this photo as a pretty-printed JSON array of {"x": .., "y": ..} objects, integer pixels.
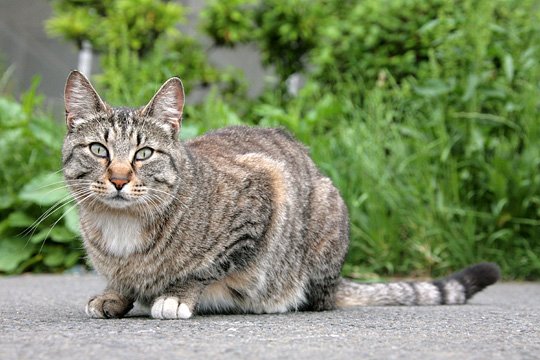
[
  {"x": 81, "y": 99},
  {"x": 167, "y": 105}
]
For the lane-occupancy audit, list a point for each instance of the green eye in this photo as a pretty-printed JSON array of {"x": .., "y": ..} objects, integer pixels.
[
  {"x": 144, "y": 153},
  {"x": 99, "y": 150}
]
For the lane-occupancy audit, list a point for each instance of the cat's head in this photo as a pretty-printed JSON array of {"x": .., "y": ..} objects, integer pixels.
[{"x": 122, "y": 158}]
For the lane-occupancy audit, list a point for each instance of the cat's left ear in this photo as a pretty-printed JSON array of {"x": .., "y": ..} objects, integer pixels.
[
  {"x": 81, "y": 100},
  {"x": 167, "y": 105}
]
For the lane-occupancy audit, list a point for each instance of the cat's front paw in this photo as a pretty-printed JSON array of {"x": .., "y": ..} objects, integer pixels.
[
  {"x": 108, "y": 305},
  {"x": 170, "y": 307}
]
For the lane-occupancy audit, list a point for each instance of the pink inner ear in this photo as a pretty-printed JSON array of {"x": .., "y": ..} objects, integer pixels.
[
  {"x": 172, "y": 99},
  {"x": 80, "y": 98},
  {"x": 168, "y": 103},
  {"x": 67, "y": 96}
]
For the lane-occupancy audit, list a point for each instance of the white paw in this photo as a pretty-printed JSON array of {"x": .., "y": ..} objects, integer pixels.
[
  {"x": 170, "y": 308},
  {"x": 93, "y": 312}
]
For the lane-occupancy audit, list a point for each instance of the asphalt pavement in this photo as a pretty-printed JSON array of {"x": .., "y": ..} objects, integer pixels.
[{"x": 42, "y": 317}]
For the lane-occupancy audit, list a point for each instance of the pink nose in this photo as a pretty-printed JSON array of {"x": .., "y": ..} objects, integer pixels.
[{"x": 119, "y": 182}]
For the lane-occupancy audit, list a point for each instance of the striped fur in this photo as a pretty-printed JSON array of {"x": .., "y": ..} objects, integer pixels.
[
  {"x": 239, "y": 220},
  {"x": 455, "y": 289}
]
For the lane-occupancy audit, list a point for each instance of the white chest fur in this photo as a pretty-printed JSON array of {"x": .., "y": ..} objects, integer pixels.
[{"x": 121, "y": 234}]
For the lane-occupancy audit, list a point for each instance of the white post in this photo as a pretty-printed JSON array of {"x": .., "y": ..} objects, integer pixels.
[
  {"x": 85, "y": 58},
  {"x": 294, "y": 84}
]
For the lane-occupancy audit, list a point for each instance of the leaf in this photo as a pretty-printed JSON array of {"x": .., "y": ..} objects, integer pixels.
[
  {"x": 45, "y": 190},
  {"x": 54, "y": 256},
  {"x": 28, "y": 263},
  {"x": 62, "y": 234},
  {"x": 6, "y": 200},
  {"x": 71, "y": 220},
  {"x": 472, "y": 83},
  {"x": 18, "y": 219},
  {"x": 30, "y": 99},
  {"x": 429, "y": 26},
  {"x": 40, "y": 236},
  {"x": 434, "y": 88},
  {"x": 11, "y": 113},
  {"x": 13, "y": 251},
  {"x": 508, "y": 66},
  {"x": 49, "y": 133},
  {"x": 72, "y": 258}
]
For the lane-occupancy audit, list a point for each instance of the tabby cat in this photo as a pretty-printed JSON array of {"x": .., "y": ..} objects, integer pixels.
[{"x": 239, "y": 220}]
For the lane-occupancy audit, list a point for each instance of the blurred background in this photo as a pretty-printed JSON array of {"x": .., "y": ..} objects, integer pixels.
[
  {"x": 28, "y": 49},
  {"x": 423, "y": 112}
]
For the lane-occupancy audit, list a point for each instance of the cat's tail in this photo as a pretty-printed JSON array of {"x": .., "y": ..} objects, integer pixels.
[{"x": 454, "y": 289}]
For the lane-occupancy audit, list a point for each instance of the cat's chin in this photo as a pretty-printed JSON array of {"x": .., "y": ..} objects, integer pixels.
[{"x": 118, "y": 202}]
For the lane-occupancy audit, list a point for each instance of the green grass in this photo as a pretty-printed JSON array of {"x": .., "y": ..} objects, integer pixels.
[
  {"x": 429, "y": 189},
  {"x": 430, "y": 131}
]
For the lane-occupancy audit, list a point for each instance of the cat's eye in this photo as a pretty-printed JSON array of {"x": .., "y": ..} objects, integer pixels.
[
  {"x": 144, "y": 153},
  {"x": 99, "y": 150}
]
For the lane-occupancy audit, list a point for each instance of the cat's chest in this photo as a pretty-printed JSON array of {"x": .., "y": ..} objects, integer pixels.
[{"x": 118, "y": 234}]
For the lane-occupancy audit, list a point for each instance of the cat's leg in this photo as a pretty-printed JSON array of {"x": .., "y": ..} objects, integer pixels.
[
  {"x": 321, "y": 293},
  {"x": 328, "y": 240},
  {"x": 178, "y": 302},
  {"x": 110, "y": 304}
]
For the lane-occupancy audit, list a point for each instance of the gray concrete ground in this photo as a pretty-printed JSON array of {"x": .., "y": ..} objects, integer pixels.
[{"x": 42, "y": 317}]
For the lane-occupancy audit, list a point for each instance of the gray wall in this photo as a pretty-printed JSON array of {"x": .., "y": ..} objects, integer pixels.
[{"x": 27, "y": 50}]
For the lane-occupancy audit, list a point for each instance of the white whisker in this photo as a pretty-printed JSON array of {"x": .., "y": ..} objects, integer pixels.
[
  {"x": 70, "y": 182},
  {"x": 61, "y": 217},
  {"x": 57, "y": 205},
  {"x": 30, "y": 231}
]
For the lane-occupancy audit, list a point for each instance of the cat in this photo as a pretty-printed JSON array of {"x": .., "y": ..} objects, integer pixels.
[{"x": 239, "y": 220}]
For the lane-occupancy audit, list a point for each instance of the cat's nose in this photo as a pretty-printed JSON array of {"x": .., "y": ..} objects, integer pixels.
[
  {"x": 119, "y": 182},
  {"x": 120, "y": 173}
]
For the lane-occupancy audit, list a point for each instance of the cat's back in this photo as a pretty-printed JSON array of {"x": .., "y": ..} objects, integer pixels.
[
  {"x": 267, "y": 186},
  {"x": 232, "y": 142}
]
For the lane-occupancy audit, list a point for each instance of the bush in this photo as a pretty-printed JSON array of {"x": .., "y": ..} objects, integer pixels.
[
  {"x": 422, "y": 112},
  {"x": 39, "y": 229},
  {"x": 284, "y": 31},
  {"x": 424, "y": 115},
  {"x": 139, "y": 45},
  {"x": 416, "y": 206},
  {"x": 107, "y": 23}
]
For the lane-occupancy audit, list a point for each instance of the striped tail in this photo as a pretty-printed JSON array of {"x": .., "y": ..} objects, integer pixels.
[{"x": 454, "y": 289}]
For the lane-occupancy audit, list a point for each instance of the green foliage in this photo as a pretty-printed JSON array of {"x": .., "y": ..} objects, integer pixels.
[
  {"x": 284, "y": 30},
  {"x": 128, "y": 79},
  {"x": 32, "y": 237},
  {"x": 213, "y": 113},
  {"x": 424, "y": 114},
  {"x": 140, "y": 46},
  {"x": 229, "y": 22},
  {"x": 102, "y": 21}
]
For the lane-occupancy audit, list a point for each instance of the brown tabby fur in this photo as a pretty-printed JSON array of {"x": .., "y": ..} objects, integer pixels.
[{"x": 238, "y": 220}]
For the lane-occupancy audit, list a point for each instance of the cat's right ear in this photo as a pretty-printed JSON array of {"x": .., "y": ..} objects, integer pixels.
[
  {"x": 167, "y": 105},
  {"x": 81, "y": 99}
]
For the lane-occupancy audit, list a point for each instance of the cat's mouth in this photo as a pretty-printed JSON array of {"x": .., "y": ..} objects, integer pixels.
[
  {"x": 118, "y": 201},
  {"x": 119, "y": 197}
]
